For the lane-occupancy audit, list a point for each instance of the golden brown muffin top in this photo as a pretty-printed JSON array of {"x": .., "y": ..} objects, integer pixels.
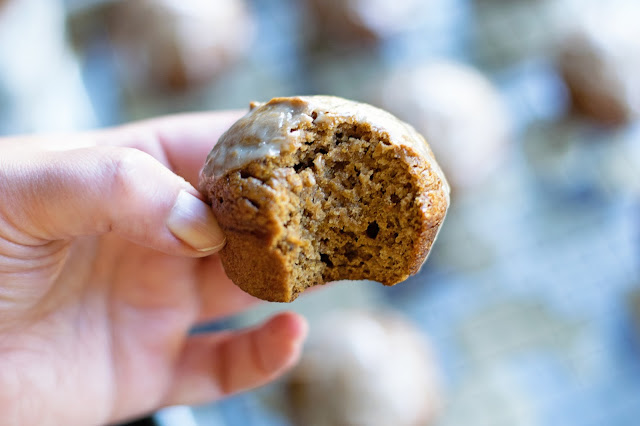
[{"x": 274, "y": 128}]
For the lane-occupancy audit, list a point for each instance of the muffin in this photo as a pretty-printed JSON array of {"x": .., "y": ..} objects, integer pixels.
[
  {"x": 315, "y": 189},
  {"x": 178, "y": 45},
  {"x": 600, "y": 63},
  {"x": 364, "y": 368},
  {"x": 358, "y": 22},
  {"x": 458, "y": 110}
]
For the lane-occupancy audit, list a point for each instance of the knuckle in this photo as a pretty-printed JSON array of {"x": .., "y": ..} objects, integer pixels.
[{"x": 122, "y": 166}]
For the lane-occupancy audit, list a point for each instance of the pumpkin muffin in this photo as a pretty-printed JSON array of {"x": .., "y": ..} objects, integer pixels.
[{"x": 315, "y": 189}]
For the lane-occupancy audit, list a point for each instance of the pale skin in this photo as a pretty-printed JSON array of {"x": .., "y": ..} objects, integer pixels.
[{"x": 101, "y": 279}]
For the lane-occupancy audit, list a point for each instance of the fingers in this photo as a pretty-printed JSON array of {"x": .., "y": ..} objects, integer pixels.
[
  {"x": 181, "y": 142},
  {"x": 212, "y": 367},
  {"x": 182, "y": 224},
  {"x": 219, "y": 296},
  {"x": 59, "y": 195}
]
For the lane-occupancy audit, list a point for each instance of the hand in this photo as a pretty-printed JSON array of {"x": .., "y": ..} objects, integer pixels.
[{"x": 105, "y": 264}]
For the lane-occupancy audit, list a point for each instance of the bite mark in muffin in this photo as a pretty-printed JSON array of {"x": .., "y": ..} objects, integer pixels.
[{"x": 310, "y": 190}]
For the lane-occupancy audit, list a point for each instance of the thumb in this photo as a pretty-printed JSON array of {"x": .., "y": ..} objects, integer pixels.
[{"x": 60, "y": 195}]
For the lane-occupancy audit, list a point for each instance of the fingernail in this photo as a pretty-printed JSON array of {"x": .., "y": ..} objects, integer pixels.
[{"x": 192, "y": 221}]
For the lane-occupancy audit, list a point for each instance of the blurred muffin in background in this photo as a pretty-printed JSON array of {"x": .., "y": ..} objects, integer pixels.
[
  {"x": 365, "y": 368},
  {"x": 458, "y": 111},
  {"x": 350, "y": 22},
  {"x": 600, "y": 61},
  {"x": 178, "y": 44}
]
